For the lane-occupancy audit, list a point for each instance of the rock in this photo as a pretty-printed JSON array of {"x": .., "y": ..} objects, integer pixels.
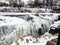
[{"x": 52, "y": 42}]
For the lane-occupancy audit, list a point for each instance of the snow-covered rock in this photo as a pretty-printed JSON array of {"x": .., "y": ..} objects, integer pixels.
[{"x": 54, "y": 28}]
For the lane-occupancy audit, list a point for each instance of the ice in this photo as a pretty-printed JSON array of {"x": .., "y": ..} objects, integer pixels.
[{"x": 12, "y": 28}]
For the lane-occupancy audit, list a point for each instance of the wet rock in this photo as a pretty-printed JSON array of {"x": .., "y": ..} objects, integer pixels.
[{"x": 59, "y": 17}]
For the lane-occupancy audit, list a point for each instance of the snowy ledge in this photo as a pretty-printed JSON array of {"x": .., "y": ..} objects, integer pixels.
[{"x": 19, "y": 13}]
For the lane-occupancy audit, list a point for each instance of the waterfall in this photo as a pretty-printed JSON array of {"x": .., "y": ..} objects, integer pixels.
[
  {"x": 6, "y": 30},
  {"x": 10, "y": 30}
]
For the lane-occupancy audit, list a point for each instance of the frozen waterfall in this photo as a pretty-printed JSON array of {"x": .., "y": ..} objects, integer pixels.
[{"x": 12, "y": 28}]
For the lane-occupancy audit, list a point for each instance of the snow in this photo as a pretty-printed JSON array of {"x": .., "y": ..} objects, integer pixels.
[
  {"x": 36, "y": 41},
  {"x": 44, "y": 38},
  {"x": 17, "y": 27},
  {"x": 19, "y": 31},
  {"x": 8, "y": 20},
  {"x": 56, "y": 24}
]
